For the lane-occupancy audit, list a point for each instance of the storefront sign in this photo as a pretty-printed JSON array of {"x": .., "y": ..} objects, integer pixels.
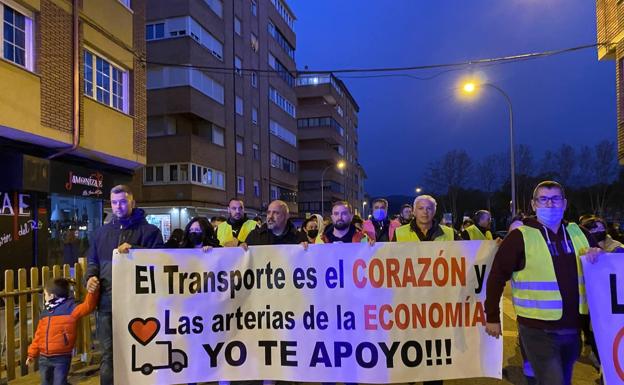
[{"x": 91, "y": 185}]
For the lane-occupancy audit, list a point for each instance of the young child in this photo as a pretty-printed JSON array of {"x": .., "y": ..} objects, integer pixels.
[{"x": 56, "y": 332}]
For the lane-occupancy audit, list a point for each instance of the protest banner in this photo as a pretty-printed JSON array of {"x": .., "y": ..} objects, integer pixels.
[
  {"x": 393, "y": 312},
  {"x": 604, "y": 282}
]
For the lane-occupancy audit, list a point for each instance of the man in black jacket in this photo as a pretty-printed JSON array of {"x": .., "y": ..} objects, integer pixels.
[
  {"x": 278, "y": 229},
  {"x": 128, "y": 229}
]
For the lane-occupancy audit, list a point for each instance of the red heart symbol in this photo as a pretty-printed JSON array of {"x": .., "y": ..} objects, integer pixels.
[{"x": 144, "y": 330}]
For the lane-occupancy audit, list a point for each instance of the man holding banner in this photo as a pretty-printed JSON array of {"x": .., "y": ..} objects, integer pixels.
[{"x": 542, "y": 259}]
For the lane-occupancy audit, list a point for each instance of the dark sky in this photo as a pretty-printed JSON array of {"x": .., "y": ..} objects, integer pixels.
[{"x": 405, "y": 123}]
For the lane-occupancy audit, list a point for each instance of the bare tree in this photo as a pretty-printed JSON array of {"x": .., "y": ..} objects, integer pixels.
[
  {"x": 449, "y": 174},
  {"x": 565, "y": 163},
  {"x": 490, "y": 174},
  {"x": 605, "y": 172},
  {"x": 525, "y": 169}
]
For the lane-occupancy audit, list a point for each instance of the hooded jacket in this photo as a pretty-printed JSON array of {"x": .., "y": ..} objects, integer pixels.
[
  {"x": 133, "y": 230},
  {"x": 56, "y": 330},
  {"x": 352, "y": 236}
]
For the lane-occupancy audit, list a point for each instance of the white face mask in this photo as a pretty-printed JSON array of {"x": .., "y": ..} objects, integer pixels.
[
  {"x": 550, "y": 216},
  {"x": 379, "y": 214}
]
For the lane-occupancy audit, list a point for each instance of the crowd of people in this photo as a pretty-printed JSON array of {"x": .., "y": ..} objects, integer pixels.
[{"x": 539, "y": 255}]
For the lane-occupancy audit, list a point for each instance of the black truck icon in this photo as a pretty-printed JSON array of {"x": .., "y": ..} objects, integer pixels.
[{"x": 176, "y": 360}]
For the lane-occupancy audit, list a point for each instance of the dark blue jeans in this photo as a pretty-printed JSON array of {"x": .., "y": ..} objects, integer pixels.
[
  {"x": 552, "y": 353},
  {"x": 53, "y": 370},
  {"x": 105, "y": 337}
]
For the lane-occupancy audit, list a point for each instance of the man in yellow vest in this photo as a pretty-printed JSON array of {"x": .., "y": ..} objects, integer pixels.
[
  {"x": 480, "y": 230},
  {"x": 423, "y": 228},
  {"x": 237, "y": 227},
  {"x": 542, "y": 259}
]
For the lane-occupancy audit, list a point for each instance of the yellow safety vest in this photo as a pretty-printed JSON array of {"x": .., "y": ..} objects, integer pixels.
[
  {"x": 225, "y": 234},
  {"x": 535, "y": 291},
  {"x": 476, "y": 234},
  {"x": 405, "y": 234}
]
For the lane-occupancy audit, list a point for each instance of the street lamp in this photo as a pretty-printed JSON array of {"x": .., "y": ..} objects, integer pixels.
[
  {"x": 363, "y": 209},
  {"x": 469, "y": 88},
  {"x": 340, "y": 165},
  {"x": 418, "y": 190}
]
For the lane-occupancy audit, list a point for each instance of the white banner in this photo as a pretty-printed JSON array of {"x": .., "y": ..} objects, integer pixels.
[
  {"x": 394, "y": 312},
  {"x": 604, "y": 281}
]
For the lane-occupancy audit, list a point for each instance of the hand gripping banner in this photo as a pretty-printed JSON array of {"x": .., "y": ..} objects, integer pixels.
[{"x": 393, "y": 312}]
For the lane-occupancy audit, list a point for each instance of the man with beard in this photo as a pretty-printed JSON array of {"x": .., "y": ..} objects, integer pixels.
[
  {"x": 341, "y": 229},
  {"x": 480, "y": 230},
  {"x": 380, "y": 228},
  {"x": 278, "y": 229},
  {"x": 405, "y": 215},
  {"x": 237, "y": 227},
  {"x": 128, "y": 229}
]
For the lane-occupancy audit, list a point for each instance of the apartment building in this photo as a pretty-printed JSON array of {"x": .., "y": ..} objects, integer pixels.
[{"x": 221, "y": 108}]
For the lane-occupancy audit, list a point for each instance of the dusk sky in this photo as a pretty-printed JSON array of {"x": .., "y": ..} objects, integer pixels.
[{"x": 405, "y": 123}]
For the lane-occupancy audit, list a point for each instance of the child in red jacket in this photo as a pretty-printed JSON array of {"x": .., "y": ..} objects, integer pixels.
[{"x": 56, "y": 332}]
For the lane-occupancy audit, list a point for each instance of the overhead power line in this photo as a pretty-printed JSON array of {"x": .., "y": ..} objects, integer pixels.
[{"x": 387, "y": 71}]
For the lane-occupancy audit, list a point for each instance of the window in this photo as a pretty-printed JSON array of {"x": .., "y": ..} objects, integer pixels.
[
  {"x": 161, "y": 126},
  {"x": 284, "y": 164},
  {"x": 238, "y": 66},
  {"x": 184, "y": 26},
  {"x": 126, "y": 3},
  {"x": 149, "y": 174},
  {"x": 218, "y": 135},
  {"x": 154, "y": 31},
  {"x": 111, "y": 82},
  {"x": 284, "y": 13},
  {"x": 16, "y": 37},
  {"x": 240, "y": 185},
  {"x": 282, "y": 133},
  {"x": 283, "y": 194},
  {"x": 254, "y": 79},
  {"x": 237, "y": 25},
  {"x": 254, "y": 8},
  {"x": 281, "y": 40},
  {"x": 320, "y": 122},
  {"x": 254, "y": 115},
  {"x": 173, "y": 173},
  {"x": 166, "y": 77},
  {"x": 340, "y": 111},
  {"x": 160, "y": 174},
  {"x": 240, "y": 145},
  {"x": 256, "y": 185},
  {"x": 255, "y": 44},
  {"x": 239, "y": 105},
  {"x": 216, "y": 6},
  {"x": 256, "y": 151},
  {"x": 282, "y": 102},
  {"x": 281, "y": 70}
]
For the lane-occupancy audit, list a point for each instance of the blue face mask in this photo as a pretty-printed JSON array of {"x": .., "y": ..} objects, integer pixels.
[
  {"x": 379, "y": 214},
  {"x": 550, "y": 216}
]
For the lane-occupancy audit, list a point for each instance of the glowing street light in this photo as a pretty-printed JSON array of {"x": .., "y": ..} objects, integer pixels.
[
  {"x": 340, "y": 166},
  {"x": 418, "y": 190},
  {"x": 471, "y": 87}
]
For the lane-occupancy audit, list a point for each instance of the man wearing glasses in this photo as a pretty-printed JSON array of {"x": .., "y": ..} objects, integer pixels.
[{"x": 541, "y": 258}]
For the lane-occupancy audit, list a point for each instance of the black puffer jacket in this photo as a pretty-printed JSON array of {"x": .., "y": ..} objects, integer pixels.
[
  {"x": 263, "y": 236},
  {"x": 133, "y": 230}
]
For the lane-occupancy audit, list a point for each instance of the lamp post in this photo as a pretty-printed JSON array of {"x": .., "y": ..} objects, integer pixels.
[
  {"x": 472, "y": 87},
  {"x": 363, "y": 209},
  {"x": 340, "y": 165}
]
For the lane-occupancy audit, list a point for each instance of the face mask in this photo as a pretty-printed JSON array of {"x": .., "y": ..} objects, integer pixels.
[
  {"x": 312, "y": 233},
  {"x": 600, "y": 236},
  {"x": 550, "y": 216},
  {"x": 379, "y": 214},
  {"x": 195, "y": 238}
]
